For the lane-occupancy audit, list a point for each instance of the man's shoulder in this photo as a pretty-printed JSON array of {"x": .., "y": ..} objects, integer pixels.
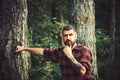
[{"x": 82, "y": 46}]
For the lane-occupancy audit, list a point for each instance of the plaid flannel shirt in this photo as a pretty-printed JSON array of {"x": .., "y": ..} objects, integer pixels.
[{"x": 81, "y": 53}]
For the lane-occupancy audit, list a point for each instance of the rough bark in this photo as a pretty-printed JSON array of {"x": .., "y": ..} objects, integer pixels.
[
  {"x": 13, "y": 32},
  {"x": 82, "y": 15}
]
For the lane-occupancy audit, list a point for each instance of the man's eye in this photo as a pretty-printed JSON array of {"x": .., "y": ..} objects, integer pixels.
[
  {"x": 65, "y": 35},
  {"x": 71, "y": 34}
]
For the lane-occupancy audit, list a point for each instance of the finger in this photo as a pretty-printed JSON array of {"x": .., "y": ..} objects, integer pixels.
[
  {"x": 17, "y": 51},
  {"x": 16, "y": 48}
]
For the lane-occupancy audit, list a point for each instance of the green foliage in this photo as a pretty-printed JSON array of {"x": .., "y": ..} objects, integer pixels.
[
  {"x": 44, "y": 34},
  {"x": 44, "y": 70},
  {"x": 102, "y": 44},
  {"x": 106, "y": 70}
]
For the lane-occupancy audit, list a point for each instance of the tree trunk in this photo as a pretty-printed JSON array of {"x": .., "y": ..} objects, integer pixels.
[
  {"x": 117, "y": 42},
  {"x": 56, "y": 12},
  {"x": 117, "y": 51},
  {"x": 82, "y": 15},
  {"x": 13, "y": 32},
  {"x": 112, "y": 25}
]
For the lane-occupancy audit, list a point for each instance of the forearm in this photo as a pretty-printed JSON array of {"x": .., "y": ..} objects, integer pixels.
[
  {"x": 78, "y": 66},
  {"x": 37, "y": 51}
]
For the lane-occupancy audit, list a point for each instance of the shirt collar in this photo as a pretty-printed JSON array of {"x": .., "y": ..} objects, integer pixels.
[{"x": 77, "y": 46}]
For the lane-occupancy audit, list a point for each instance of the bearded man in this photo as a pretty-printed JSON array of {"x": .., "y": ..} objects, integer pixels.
[{"x": 75, "y": 60}]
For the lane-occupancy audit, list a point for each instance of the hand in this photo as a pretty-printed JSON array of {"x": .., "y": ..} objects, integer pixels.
[
  {"x": 68, "y": 51},
  {"x": 19, "y": 48}
]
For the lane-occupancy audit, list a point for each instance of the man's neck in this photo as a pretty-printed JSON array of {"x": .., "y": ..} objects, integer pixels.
[{"x": 74, "y": 45}]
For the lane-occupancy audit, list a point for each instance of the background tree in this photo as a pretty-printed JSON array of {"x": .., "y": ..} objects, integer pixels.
[
  {"x": 56, "y": 11},
  {"x": 13, "y": 28},
  {"x": 82, "y": 15},
  {"x": 117, "y": 44},
  {"x": 107, "y": 33},
  {"x": 112, "y": 29}
]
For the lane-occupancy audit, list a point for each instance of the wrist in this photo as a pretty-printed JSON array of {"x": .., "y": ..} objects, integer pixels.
[{"x": 24, "y": 49}]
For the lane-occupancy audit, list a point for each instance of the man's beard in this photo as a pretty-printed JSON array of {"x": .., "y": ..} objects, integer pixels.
[{"x": 69, "y": 43}]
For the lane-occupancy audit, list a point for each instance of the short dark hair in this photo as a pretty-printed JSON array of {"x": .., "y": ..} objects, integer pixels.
[{"x": 68, "y": 27}]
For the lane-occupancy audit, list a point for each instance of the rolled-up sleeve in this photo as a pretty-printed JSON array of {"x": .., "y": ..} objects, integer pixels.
[{"x": 87, "y": 58}]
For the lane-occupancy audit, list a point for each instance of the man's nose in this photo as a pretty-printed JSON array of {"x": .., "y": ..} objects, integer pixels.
[{"x": 68, "y": 37}]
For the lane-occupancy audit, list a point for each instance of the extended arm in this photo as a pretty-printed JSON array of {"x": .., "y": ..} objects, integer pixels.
[
  {"x": 76, "y": 65},
  {"x": 38, "y": 51}
]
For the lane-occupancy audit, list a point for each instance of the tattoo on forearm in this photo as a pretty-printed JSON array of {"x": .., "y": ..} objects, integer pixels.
[{"x": 76, "y": 65}]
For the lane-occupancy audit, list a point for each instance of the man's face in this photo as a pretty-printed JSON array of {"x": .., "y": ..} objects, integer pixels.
[{"x": 69, "y": 37}]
